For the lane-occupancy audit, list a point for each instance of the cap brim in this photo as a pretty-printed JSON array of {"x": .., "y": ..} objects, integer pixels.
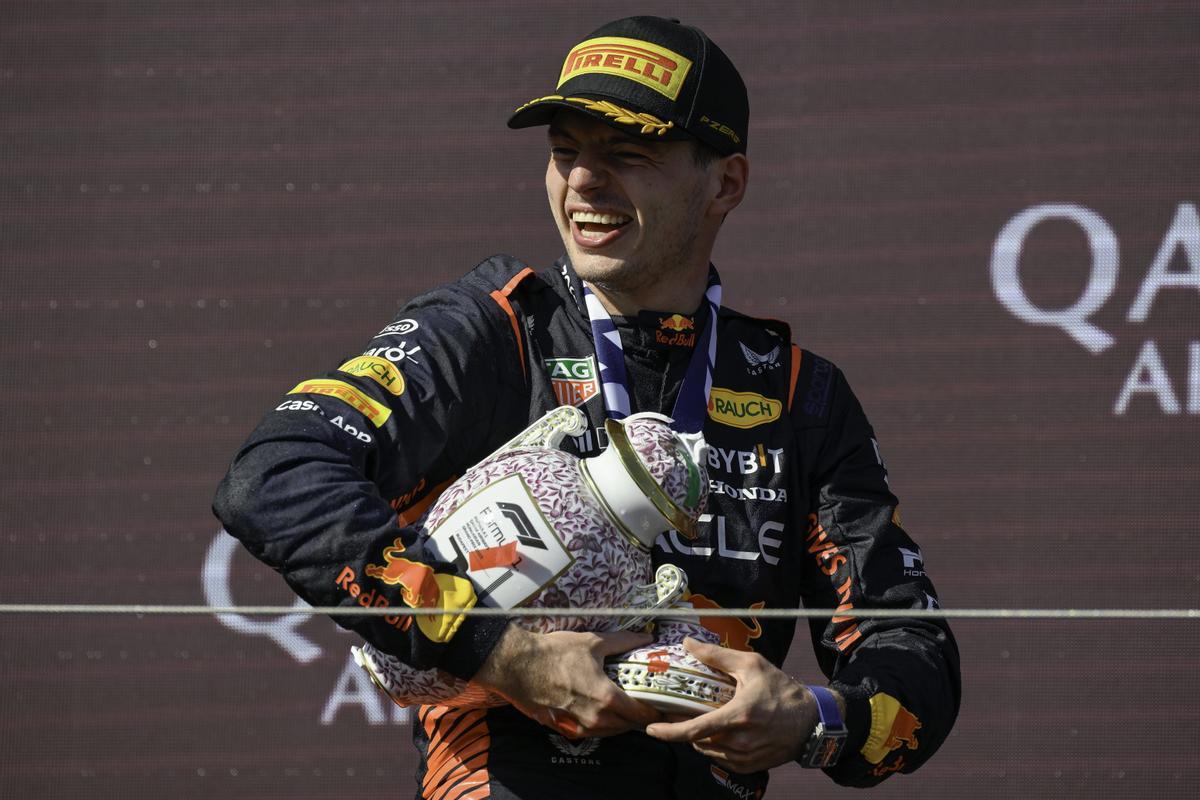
[{"x": 635, "y": 123}]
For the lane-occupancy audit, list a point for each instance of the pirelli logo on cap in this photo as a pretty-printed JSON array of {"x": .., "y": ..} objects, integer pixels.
[
  {"x": 646, "y": 63},
  {"x": 375, "y": 412}
]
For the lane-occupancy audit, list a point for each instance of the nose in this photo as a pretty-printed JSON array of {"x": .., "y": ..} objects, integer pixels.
[{"x": 587, "y": 173}]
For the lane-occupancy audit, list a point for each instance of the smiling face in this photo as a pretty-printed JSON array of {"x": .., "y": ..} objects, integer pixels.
[{"x": 636, "y": 216}]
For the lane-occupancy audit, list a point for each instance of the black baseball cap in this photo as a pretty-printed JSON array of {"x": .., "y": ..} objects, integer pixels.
[{"x": 654, "y": 78}]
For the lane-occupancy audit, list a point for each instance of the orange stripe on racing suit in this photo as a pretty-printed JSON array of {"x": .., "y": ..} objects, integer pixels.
[{"x": 501, "y": 298}]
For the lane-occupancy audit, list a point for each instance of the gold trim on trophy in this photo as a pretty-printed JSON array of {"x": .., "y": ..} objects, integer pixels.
[{"x": 675, "y": 515}]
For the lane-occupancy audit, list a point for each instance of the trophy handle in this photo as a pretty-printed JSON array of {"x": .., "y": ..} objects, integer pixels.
[
  {"x": 670, "y": 584},
  {"x": 548, "y": 430}
]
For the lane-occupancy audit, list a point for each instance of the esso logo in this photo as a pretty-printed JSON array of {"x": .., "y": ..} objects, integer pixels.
[{"x": 400, "y": 327}]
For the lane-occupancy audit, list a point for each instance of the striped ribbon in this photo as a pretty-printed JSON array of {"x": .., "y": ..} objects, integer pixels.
[{"x": 691, "y": 406}]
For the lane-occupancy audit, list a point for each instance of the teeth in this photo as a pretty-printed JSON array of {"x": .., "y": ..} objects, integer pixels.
[{"x": 603, "y": 219}]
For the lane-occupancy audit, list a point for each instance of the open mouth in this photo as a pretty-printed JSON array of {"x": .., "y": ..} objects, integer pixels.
[{"x": 593, "y": 227}]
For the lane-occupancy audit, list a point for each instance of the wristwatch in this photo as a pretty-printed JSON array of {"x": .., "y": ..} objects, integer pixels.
[{"x": 825, "y": 744}]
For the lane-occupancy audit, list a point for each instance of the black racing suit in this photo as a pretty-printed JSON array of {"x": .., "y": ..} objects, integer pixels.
[{"x": 799, "y": 512}]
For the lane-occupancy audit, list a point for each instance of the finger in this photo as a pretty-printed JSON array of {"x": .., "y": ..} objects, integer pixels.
[
  {"x": 714, "y": 655},
  {"x": 700, "y": 727},
  {"x": 566, "y": 724},
  {"x": 722, "y": 754},
  {"x": 606, "y": 704},
  {"x": 732, "y": 743},
  {"x": 731, "y": 762},
  {"x": 635, "y": 711}
]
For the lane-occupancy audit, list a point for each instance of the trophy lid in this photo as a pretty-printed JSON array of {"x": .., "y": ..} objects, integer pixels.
[{"x": 648, "y": 479}]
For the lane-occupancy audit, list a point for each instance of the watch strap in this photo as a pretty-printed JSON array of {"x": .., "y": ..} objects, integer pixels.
[{"x": 825, "y": 745}]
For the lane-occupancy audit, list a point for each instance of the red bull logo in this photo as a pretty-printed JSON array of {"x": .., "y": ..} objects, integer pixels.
[
  {"x": 901, "y": 725},
  {"x": 887, "y": 769},
  {"x": 677, "y": 322},
  {"x": 904, "y": 731},
  {"x": 735, "y": 634},
  {"x": 368, "y": 598},
  {"x": 676, "y": 330},
  {"x": 417, "y": 583}
]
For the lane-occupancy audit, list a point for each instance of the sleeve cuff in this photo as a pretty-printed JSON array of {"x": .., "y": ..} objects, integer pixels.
[
  {"x": 472, "y": 644},
  {"x": 858, "y": 719}
]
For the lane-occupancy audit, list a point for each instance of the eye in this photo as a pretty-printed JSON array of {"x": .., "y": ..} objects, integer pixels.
[
  {"x": 631, "y": 155},
  {"x": 562, "y": 152}
]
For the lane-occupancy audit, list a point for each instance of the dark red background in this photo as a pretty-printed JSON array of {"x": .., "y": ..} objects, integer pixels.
[{"x": 202, "y": 203}]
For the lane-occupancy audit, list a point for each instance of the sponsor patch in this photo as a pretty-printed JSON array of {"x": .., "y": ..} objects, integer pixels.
[
  {"x": 377, "y": 369},
  {"x": 738, "y": 790},
  {"x": 758, "y": 363},
  {"x": 914, "y": 564},
  {"x": 892, "y": 726},
  {"x": 395, "y": 353},
  {"x": 421, "y": 587},
  {"x": 376, "y": 413},
  {"x": 887, "y": 769},
  {"x": 574, "y": 752},
  {"x": 399, "y": 328},
  {"x": 742, "y": 409},
  {"x": 676, "y": 330},
  {"x": 734, "y": 632},
  {"x": 649, "y": 64},
  {"x": 816, "y": 399},
  {"x": 746, "y": 462},
  {"x": 575, "y": 380},
  {"x": 677, "y": 322},
  {"x": 745, "y": 493},
  {"x": 830, "y": 559},
  {"x": 347, "y": 581}
]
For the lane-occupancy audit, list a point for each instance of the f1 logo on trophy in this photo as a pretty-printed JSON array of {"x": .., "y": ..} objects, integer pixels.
[{"x": 534, "y": 526}]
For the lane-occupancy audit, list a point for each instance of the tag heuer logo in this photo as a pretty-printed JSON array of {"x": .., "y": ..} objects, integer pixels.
[{"x": 574, "y": 379}]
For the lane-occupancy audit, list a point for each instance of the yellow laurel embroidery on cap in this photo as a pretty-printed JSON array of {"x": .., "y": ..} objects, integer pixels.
[
  {"x": 537, "y": 100},
  {"x": 649, "y": 122},
  {"x": 625, "y": 116}
]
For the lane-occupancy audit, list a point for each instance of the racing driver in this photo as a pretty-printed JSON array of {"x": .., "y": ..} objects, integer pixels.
[{"x": 647, "y": 129}]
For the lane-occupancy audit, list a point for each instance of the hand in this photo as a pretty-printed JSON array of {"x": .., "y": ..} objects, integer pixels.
[
  {"x": 558, "y": 679},
  {"x": 766, "y": 723}
]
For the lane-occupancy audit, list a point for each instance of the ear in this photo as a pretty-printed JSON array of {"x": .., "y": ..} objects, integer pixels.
[{"x": 731, "y": 175}]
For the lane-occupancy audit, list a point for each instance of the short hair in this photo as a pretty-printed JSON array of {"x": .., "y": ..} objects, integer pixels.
[{"x": 702, "y": 154}]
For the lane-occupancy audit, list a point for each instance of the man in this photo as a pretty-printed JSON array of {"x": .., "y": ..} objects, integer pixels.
[{"x": 647, "y": 131}]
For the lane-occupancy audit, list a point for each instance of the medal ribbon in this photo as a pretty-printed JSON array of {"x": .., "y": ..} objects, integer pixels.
[{"x": 691, "y": 406}]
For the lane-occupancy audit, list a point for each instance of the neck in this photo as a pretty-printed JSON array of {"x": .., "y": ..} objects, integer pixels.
[{"x": 682, "y": 296}]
